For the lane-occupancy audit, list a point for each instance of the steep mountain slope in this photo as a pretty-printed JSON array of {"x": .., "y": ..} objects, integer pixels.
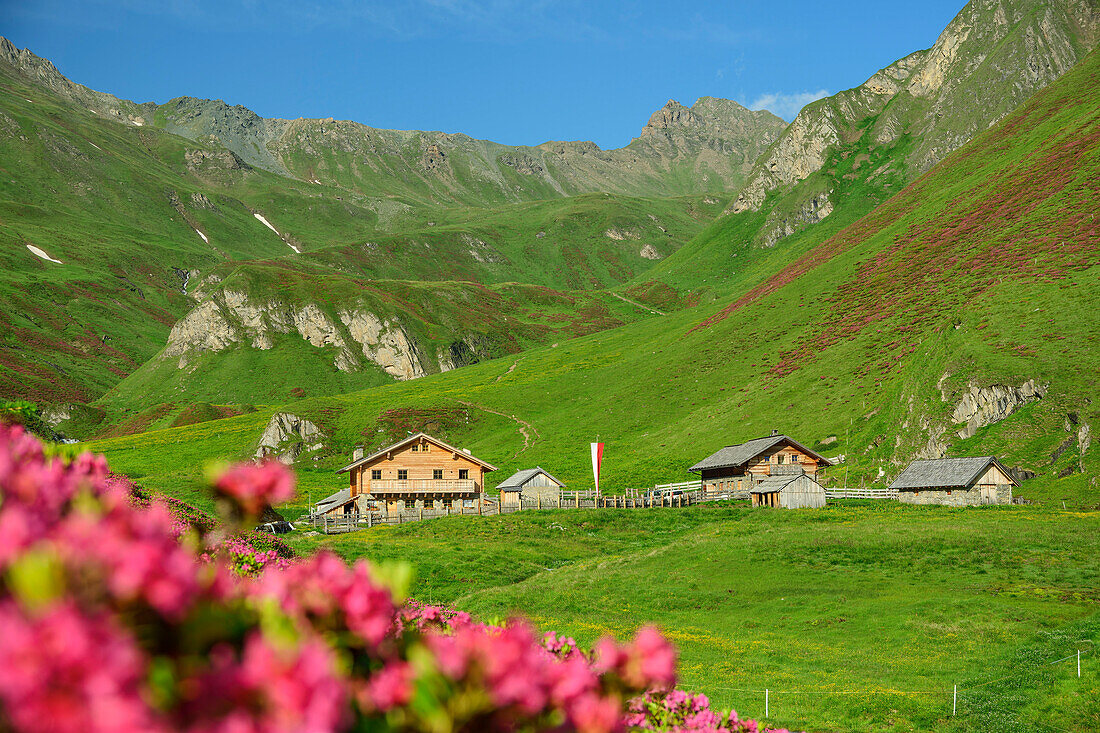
[
  {"x": 844, "y": 154},
  {"x": 952, "y": 319},
  {"x": 105, "y": 220}
]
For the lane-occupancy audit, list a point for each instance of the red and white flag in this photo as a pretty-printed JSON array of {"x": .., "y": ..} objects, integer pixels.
[{"x": 597, "y": 458}]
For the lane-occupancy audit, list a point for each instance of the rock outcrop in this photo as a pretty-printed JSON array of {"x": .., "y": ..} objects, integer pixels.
[
  {"x": 385, "y": 343},
  {"x": 982, "y": 406},
  {"x": 227, "y": 318},
  {"x": 287, "y": 436}
]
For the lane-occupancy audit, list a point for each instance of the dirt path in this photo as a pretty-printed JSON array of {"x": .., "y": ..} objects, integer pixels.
[
  {"x": 634, "y": 302},
  {"x": 525, "y": 428},
  {"x": 510, "y": 370}
]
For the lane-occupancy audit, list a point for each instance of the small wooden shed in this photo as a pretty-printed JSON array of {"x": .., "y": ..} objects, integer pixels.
[
  {"x": 788, "y": 491},
  {"x": 530, "y": 484}
]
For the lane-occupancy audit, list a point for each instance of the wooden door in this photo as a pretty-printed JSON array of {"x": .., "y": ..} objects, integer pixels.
[{"x": 988, "y": 494}]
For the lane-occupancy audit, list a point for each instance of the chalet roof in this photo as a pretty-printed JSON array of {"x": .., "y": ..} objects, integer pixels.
[
  {"x": 341, "y": 497},
  {"x": 737, "y": 455},
  {"x": 516, "y": 481},
  {"x": 946, "y": 473},
  {"x": 412, "y": 439},
  {"x": 771, "y": 484}
]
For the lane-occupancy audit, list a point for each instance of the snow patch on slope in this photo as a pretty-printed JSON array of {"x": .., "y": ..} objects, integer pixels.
[
  {"x": 204, "y": 238},
  {"x": 267, "y": 224},
  {"x": 39, "y": 253}
]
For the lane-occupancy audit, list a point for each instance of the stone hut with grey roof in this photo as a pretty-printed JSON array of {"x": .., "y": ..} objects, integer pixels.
[
  {"x": 740, "y": 467},
  {"x": 530, "y": 484},
  {"x": 955, "y": 482}
]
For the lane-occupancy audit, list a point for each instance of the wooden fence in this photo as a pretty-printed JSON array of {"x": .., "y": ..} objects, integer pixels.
[
  {"x": 680, "y": 494},
  {"x": 861, "y": 494}
]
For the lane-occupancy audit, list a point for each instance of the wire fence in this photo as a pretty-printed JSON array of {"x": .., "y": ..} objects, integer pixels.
[{"x": 955, "y": 693}]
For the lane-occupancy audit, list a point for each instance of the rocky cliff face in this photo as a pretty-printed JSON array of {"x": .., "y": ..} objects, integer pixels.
[
  {"x": 990, "y": 58},
  {"x": 228, "y": 318}
]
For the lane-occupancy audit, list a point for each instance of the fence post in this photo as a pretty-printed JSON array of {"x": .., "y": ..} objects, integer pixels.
[
  {"x": 954, "y": 700},
  {"x": 766, "y": 702},
  {"x": 1078, "y": 662}
]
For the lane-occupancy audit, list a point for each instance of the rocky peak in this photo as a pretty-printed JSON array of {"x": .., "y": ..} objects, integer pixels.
[{"x": 672, "y": 114}]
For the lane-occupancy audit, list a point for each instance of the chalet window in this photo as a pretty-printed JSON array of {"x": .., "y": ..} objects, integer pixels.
[
  {"x": 424, "y": 448},
  {"x": 437, "y": 474},
  {"x": 375, "y": 474},
  {"x": 463, "y": 474},
  {"x": 779, "y": 458},
  {"x": 402, "y": 474},
  {"x": 415, "y": 448}
]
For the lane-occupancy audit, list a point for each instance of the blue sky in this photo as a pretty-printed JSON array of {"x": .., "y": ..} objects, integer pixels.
[{"x": 514, "y": 71}]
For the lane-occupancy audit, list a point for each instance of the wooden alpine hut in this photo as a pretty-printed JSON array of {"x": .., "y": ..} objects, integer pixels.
[
  {"x": 739, "y": 467},
  {"x": 418, "y": 471},
  {"x": 955, "y": 482}
]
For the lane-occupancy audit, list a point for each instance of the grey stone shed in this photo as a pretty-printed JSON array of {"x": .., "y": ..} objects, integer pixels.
[
  {"x": 790, "y": 491},
  {"x": 530, "y": 484},
  {"x": 955, "y": 482}
]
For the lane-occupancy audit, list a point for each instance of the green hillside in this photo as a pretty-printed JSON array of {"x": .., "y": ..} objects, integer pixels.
[
  {"x": 847, "y": 153},
  {"x": 975, "y": 275},
  {"x": 133, "y": 218}
]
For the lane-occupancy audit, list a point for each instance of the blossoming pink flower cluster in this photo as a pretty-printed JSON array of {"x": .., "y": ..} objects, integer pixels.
[
  {"x": 676, "y": 710},
  {"x": 112, "y": 623}
]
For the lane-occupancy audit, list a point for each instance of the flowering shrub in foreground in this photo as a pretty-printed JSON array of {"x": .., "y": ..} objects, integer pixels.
[{"x": 117, "y": 618}]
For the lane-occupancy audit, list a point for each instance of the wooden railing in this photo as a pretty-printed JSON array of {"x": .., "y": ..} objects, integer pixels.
[{"x": 424, "y": 485}]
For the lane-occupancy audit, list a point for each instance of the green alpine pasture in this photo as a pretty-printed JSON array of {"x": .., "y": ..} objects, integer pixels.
[
  {"x": 858, "y": 617},
  {"x": 965, "y": 279}
]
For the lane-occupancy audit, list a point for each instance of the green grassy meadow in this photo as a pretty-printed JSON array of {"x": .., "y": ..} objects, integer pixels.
[{"x": 858, "y": 617}]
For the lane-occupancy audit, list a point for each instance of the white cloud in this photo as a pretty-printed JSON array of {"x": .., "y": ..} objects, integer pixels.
[{"x": 785, "y": 105}]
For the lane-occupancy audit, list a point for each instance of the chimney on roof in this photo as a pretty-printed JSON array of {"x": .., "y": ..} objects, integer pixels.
[
  {"x": 775, "y": 432},
  {"x": 357, "y": 453}
]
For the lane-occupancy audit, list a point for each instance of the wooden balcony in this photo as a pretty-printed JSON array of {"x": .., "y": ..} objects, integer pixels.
[{"x": 383, "y": 487}]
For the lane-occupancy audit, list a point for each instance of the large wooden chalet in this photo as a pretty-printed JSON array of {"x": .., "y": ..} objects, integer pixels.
[
  {"x": 417, "y": 471},
  {"x": 740, "y": 467}
]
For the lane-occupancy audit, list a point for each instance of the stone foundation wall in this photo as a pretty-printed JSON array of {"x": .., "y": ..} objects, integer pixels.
[{"x": 954, "y": 497}]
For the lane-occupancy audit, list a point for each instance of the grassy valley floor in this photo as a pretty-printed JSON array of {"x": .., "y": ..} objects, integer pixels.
[{"x": 857, "y": 617}]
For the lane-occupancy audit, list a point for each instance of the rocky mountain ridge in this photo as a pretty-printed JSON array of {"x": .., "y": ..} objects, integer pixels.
[
  {"x": 991, "y": 57},
  {"x": 714, "y": 140}
]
